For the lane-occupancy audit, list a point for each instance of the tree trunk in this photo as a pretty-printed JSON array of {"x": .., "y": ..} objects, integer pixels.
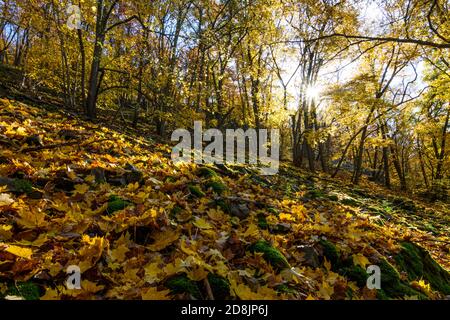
[{"x": 83, "y": 70}]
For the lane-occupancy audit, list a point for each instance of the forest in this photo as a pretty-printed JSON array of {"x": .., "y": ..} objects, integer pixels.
[{"x": 95, "y": 94}]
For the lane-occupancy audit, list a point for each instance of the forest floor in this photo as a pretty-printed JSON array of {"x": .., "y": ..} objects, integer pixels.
[{"x": 139, "y": 227}]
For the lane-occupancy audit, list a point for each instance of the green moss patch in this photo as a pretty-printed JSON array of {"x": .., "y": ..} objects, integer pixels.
[
  {"x": 116, "y": 203},
  {"x": 196, "y": 191},
  {"x": 270, "y": 254},
  {"x": 356, "y": 274},
  {"x": 314, "y": 194},
  {"x": 26, "y": 290},
  {"x": 217, "y": 185},
  {"x": 262, "y": 222},
  {"x": 206, "y": 172},
  {"x": 282, "y": 288},
  {"x": 219, "y": 286},
  {"x": 223, "y": 205},
  {"x": 330, "y": 251},
  {"x": 22, "y": 186},
  {"x": 391, "y": 284},
  {"x": 350, "y": 202},
  {"x": 182, "y": 284}
]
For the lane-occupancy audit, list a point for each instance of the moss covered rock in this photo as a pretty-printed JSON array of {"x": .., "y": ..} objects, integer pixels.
[
  {"x": 182, "y": 284},
  {"x": 26, "y": 290},
  {"x": 392, "y": 286},
  {"x": 270, "y": 254},
  {"x": 418, "y": 264},
  {"x": 356, "y": 274},
  {"x": 19, "y": 186},
  {"x": 206, "y": 172},
  {"x": 217, "y": 185},
  {"x": 219, "y": 286},
  {"x": 330, "y": 251},
  {"x": 22, "y": 186}
]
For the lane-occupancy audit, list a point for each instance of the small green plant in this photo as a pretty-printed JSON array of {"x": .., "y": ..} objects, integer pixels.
[{"x": 182, "y": 284}]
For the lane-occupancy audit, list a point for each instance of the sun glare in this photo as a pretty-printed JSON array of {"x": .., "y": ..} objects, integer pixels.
[{"x": 313, "y": 92}]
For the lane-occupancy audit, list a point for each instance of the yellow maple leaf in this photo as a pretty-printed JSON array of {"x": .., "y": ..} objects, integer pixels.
[
  {"x": 185, "y": 249},
  {"x": 21, "y": 131},
  {"x": 216, "y": 215},
  {"x": 119, "y": 254},
  {"x": 72, "y": 175},
  {"x": 131, "y": 276},
  {"x": 202, "y": 223},
  {"x": 133, "y": 186},
  {"x": 164, "y": 239},
  {"x": 5, "y": 232},
  {"x": 54, "y": 269},
  {"x": 20, "y": 252},
  {"x": 90, "y": 179},
  {"x": 244, "y": 292},
  {"x": 197, "y": 274},
  {"x": 252, "y": 230},
  {"x": 360, "y": 260},
  {"x": 221, "y": 268},
  {"x": 81, "y": 189},
  {"x": 96, "y": 211},
  {"x": 153, "y": 294},
  {"x": 152, "y": 271},
  {"x": 31, "y": 217},
  {"x": 286, "y": 217},
  {"x": 50, "y": 294},
  {"x": 327, "y": 264},
  {"x": 141, "y": 197},
  {"x": 326, "y": 291},
  {"x": 91, "y": 286},
  {"x": 5, "y": 199}
]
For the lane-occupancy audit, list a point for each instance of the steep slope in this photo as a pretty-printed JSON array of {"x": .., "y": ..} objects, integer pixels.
[{"x": 138, "y": 227}]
